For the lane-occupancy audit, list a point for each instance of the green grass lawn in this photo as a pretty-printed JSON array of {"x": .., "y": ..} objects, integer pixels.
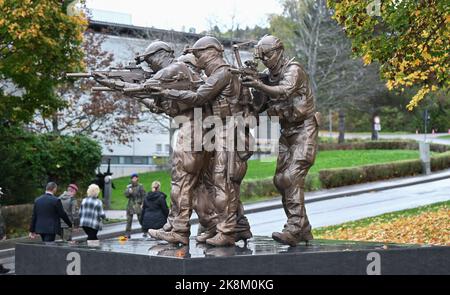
[
  {"x": 444, "y": 137},
  {"x": 258, "y": 169}
]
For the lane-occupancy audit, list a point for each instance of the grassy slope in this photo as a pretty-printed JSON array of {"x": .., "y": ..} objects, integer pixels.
[
  {"x": 423, "y": 225},
  {"x": 265, "y": 169}
]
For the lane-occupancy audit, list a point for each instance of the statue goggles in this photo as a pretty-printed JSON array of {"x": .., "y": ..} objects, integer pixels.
[{"x": 265, "y": 55}]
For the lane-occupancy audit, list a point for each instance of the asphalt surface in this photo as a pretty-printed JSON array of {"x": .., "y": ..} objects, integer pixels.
[{"x": 340, "y": 210}]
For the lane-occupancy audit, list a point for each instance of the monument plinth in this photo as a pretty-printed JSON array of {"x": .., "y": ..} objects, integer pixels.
[{"x": 261, "y": 256}]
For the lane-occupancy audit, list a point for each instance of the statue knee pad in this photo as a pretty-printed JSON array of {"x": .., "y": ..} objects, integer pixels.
[
  {"x": 282, "y": 180},
  {"x": 192, "y": 163}
]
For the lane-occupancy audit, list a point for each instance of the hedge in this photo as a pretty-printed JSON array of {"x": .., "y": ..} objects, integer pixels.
[
  {"x": 265, "y": 187},
  {"x": 440, "y": 162},
  {"x": 29, "y": 161},
  {"x": 330, "y": 178},
  {"x": 382, "y": 145}
]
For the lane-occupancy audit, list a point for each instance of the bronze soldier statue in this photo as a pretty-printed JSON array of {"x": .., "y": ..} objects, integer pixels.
[
  {"x": 222, "y": 90},
  {"x": 286, "y": 93},
  {"x": 192, "y": 181}
]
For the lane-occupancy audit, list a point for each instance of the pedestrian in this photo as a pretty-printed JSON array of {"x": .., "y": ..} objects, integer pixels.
[
  {"x": 135, "y": 193},
  {"x": 3, "y": 270},
  {"x": 91, "y": 214},
  {"x": 70, "y": 206},
  {"x": 47, "y": 213},
  {"x": 154, "y": 210}
]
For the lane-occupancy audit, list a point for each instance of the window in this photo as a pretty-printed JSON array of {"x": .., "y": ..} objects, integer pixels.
[
  {"x": 167, "y": 147},
  {"x": 159, "y": 147},
  {"x": 140, "y": 160},
  {"x": 114, "y": 160}
]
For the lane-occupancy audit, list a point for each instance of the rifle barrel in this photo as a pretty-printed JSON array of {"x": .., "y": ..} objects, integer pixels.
[
  {"x": 133, "y": 89},
  {"x": 100, "y": 88},
  {"x": 78, "y": 75}
]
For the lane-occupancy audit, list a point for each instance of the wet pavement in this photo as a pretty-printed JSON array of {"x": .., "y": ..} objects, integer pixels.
[
  {"x": 258, "y": 245},
  {"x": 344, "y": 209}
]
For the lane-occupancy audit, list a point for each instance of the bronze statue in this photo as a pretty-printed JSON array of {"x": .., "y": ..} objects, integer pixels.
[
  {"x": 222, "y": 91},
  {"x": 192, "y": 183},
  {"x": 285, "y": 92},
  {"x": 209, "y": 181}
]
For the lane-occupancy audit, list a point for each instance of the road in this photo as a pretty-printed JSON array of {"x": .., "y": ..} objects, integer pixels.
[
  {"x": 339, "y": 210},
  {"x": 336, "y": 211}
]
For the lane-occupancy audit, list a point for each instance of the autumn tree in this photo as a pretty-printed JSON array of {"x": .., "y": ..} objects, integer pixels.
[
  {"x": 39, "y": 42},
  {"x": 311, "y": 36},
  {"x": 409, "y": 39},
  {"x": 109, "y": 117}
]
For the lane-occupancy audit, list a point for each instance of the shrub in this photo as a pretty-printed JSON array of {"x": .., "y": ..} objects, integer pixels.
[
  {"x": 29, "y": 161},
  {"x": 440, "y": 162},
  {"x": 382, "y": 145},
  {"x": 348, "y": 176},
  {"x": 265, "y": 187},
  {"x": 17, "y": 217}
]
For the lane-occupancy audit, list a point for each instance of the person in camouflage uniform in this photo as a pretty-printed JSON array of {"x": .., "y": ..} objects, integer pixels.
[
  {"x": 70, "y": 206},
  {"x": 135, "y": 193}
]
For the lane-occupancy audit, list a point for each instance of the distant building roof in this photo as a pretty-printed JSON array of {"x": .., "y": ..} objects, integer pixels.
[
  {"x": 110, "y": 16},
  {"x": 120, "y": 29}
]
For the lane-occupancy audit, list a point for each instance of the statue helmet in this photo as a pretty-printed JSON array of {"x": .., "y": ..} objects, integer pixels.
[
  {"x": 269, "y": 49},
  {"x": 205, "y": 43},
  {"x": 188, "y": 58},
  {"x": 155, "y": 47}
]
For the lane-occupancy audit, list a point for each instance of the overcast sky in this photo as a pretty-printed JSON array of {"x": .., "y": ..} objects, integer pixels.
[{"x": 198, "y": 14}]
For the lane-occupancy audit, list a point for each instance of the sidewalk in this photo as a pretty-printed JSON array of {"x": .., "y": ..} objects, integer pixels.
[{"x": 117, "y": 229}]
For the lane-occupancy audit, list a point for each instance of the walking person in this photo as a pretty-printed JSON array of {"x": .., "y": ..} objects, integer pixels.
[
  {"x": 70, "y": 206},
  {"x": 47, "y": 213},
  {"x": 3, "y": 270},
  {"x": 135, "y": 193},
  {"x": 91, "y": 214},
  {"x": 154, "y": 210}
]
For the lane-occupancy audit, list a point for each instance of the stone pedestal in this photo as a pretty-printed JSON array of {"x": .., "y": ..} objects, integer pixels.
[{"x": 262, "y": 256}]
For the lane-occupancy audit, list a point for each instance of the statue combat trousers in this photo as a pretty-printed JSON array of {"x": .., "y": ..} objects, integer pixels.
[{"x": 297, "y": 151}]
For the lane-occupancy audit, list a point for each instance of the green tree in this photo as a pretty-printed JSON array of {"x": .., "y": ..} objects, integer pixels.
[
  {"x": 408, "y": 38},
  {"x": 310, "y": 34},
  {"x": 30, "y": 160},
  {"x": 39, "y": 42}
]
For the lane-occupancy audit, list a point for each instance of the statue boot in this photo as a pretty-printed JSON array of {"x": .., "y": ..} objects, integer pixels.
[
  {"x": 171, "y": 236},
  {"x": 287, "y": 238},
  {"x": 220, "y": 240}
]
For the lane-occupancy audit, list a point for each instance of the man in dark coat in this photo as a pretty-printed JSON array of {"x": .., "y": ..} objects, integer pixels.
[
  {"x": 47, "y": 212},
  {"x": 154, "y": 210}
]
